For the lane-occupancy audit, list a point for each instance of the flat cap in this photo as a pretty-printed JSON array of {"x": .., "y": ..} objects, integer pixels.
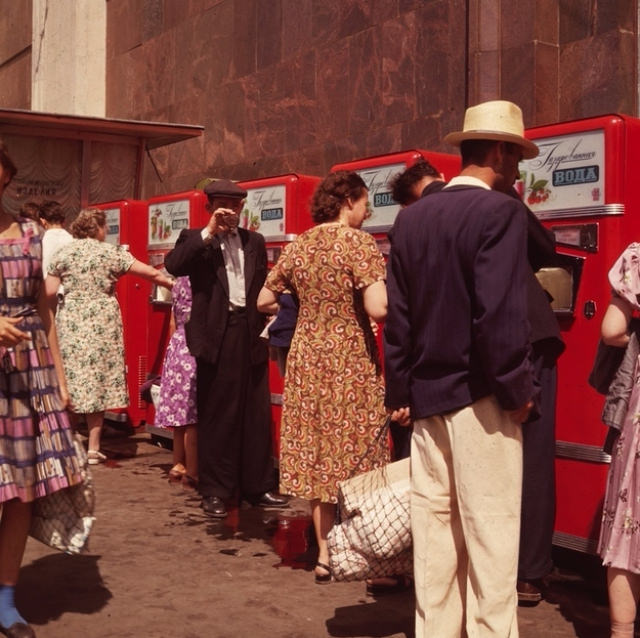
[{"x": 224, "y": 188}]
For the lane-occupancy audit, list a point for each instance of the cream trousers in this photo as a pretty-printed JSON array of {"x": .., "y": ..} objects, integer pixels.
[{"x": 466, "y": 484}]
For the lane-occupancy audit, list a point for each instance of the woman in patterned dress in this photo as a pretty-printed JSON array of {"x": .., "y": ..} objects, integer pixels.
[
  {"x": 37, "y": 456},
  {"x": 177, "y": 404},
  {"x": 619, "y": 544},
  {"x": 334, "y": 392},
  {"x": 89, "y": 322}
]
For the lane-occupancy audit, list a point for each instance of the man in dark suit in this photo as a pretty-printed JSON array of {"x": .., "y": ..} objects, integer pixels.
[
  {"x": 227, "y": 266},
  {"x": 457, "y": 365}
]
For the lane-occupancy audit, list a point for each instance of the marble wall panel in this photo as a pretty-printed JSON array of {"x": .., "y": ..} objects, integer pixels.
[
  {"x": 546, "y": 78},
  {"x": 15, "y": 26},
  {"x": 176, "y": 12},
  {"x": 296, "y": 26},
  {"x": 15, "y": 82},
  {"x": 124, "y": 26},
  {"x": 518, "y": 77},
  {"x": 245, "y": 30},
  {"x": 399, "y": 62},
  {"x": 325, "y": 20},
  {"x": 546, "y": 21},
  {"x": 152, "y": 18},
  {"x": 575, "y": 20},
  {"x": 615, "y": 14},
  {"x": 594, "y": 78},
  {"x": 269, "y": 33},
  {"x": 517, "y": 27}
]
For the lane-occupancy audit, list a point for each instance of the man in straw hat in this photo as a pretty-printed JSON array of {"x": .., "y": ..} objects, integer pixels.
[{"x": 457, "y": 365}]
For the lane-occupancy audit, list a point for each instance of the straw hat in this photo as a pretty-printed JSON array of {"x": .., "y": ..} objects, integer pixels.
[{"x": 496, "y": 120}]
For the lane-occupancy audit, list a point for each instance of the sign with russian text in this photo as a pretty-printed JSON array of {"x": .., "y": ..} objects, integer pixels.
[
  {"x": 265, "y": 210},
  {"x": 166, "y": 220},
  {"x": 113, "y": 226},
  {"x": 568, "y": 173},
  {"x": 383, "y": 207}
]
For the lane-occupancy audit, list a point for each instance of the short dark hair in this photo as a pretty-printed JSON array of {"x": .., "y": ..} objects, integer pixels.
[
  {"x": 30, "y": 210},
  {"x": 476, "y": 151},
  {"x": 402, "y": 183},
  {"x": 51, "y": 211},
  {"x": 7, "y": 163},
  {"x": 332, "y": 193}
]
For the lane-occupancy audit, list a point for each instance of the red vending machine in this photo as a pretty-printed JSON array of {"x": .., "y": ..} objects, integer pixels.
[
  {"x": 167, "y": 216},
  {"x": 584, "y": 187},
  {"x": 126, "y": 227},
  {"x": 377, "y": 173},
  {"x": 278, "y": 208}
]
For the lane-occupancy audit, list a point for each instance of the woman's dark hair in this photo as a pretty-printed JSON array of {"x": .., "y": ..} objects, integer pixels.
[
  {"x": 7, "y": 164},
  {"x": 51, "y": 211},
  {"x": 88, "y": 223},
  {"x": 332, "y": 193}
]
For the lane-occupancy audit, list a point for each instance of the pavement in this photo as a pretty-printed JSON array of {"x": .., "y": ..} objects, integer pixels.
[{"x": 158, "y": 567}]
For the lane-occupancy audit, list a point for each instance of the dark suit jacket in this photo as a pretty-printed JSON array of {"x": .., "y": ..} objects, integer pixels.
[
  {"x": 457, "y": 327},
  {"x": 204, "y": 265}
]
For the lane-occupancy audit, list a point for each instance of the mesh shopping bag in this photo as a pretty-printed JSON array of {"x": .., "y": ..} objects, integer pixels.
[
  {"x": 372, "y": 537},
  {"x": 63, "y": 519}
]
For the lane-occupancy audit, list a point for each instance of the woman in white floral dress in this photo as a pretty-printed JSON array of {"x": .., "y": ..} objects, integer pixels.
[{"x": 89, "y": 323}]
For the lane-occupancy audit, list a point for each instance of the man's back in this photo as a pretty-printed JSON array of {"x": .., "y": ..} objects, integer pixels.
[{"x": 456, "y": 283}]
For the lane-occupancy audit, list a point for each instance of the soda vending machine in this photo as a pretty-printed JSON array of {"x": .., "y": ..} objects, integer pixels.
[
  {"x": 126, "y": 227},
  {"x": 377, "y": 173},
  {"x": 167, "y": 216},
  {"x": 583, "y": 186},
  {"x": 278, "y": 208}
]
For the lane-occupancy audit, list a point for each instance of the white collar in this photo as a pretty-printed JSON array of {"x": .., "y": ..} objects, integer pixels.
[{"x": 468, "y": 180}]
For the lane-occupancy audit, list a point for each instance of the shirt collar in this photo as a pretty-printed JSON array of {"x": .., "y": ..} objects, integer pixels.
[{"x": 468, "y": 180}]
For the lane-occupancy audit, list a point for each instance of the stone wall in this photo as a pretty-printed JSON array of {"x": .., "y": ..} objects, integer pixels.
[{"x": 15, "y": 54}]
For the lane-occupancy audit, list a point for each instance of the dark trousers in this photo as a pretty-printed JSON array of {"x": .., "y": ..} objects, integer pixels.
[
  {"x": 234, "y": 420},
  {"x": 538, "y": 480}
]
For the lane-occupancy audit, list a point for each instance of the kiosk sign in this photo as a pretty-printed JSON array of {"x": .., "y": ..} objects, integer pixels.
[
  {"x": 265, "y": 210},
  {"x": 383, "y": 207},
  {"x": 166, "y": 220},
  {"x": 113, "y": 225},
  {"x": 567, "y": 174}
]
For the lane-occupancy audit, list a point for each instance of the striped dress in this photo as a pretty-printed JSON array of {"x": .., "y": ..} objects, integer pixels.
[{"x": 37, "y": 455}]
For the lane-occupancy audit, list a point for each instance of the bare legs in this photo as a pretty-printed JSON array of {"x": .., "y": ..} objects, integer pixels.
[
  {"x": 323, "y": 515},
  {"x": 14, "y": 528},
  {"x": 95, "y": 421},
  {"x": 624, "y": 590},
  {"x": 185, "y": 450}
]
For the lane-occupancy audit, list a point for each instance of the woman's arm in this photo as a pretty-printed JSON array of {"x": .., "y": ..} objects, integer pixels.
[
  {"x": 616, "y": 322},
  {"x": 152, "y": 274},
  {"x": 51, "y": 285},
  {"x": 267, "y": 302},
  {"x": 45, "y": 311},
  {"x": 375, "y": 300}
]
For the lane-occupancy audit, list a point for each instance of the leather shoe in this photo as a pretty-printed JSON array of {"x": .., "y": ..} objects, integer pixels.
[
  {"x": 529, "y": 593},
  {"x": 271, "y": 499},
  {"x": 214, "y": 506},
  {"x": 19, "y": 630}
]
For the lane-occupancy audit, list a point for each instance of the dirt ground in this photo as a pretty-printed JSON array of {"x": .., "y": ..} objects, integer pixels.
[{"x": 159, "y": 568}]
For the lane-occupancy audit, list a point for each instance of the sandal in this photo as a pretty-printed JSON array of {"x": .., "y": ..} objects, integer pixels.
[
  {"x": 402, "y": 583},
  {"x": 94, "y": 457},
  {"x": 323, "y": 579},
  {"x": 176, "y": 474}
]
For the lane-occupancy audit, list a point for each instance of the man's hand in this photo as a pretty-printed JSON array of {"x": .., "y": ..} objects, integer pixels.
[
  {"x": 520, "y": 415},
  {"x": 221, "y": 220},
  {"x": 402, "y": 416},
  {"x": 9, "y": 334}
]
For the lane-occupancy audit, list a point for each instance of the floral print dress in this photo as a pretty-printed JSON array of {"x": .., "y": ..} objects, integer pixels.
[
  {"x": 619, "y": 544},
  {"x": 89, "y": 323},
  {"x": 334, "y": 393},
  {"x": 177, "y": 404}
]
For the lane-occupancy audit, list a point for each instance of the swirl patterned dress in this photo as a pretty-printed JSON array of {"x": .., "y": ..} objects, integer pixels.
[
  {"x": 177, "y": 404},
  {"x": 37, "y": 455},
  {"x": 334, "y": 393},
  {"x": 89, "y": 323}
]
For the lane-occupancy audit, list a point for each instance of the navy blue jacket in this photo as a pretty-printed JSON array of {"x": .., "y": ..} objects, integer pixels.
[{"x": 457, "y": 327}]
